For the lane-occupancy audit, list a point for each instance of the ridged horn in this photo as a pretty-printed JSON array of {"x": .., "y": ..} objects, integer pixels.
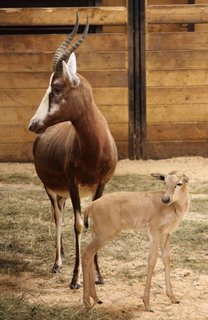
[
  {"x": 66, "y": 54},
  {"x": 62, "y": 48}
]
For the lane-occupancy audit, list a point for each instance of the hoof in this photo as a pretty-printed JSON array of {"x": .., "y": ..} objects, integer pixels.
[
  {"x": 56, "y": 269},
  {"x": 99, "y": 302},
  {"x": 99, "y": 281},
  {"x": 74, "y": 286},
  {"x": 149, "y": 310}
]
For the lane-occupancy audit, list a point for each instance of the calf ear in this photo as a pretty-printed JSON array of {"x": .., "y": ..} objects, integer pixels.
[
  {"x": 158, "y": 176},
  {"x": 185, "y": 178}
]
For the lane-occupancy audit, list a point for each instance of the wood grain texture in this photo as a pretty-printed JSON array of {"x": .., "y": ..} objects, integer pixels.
[
  {"x": 32, "y": 97},
  {"x": 177, "y": 59},
  {"x": 49, "y": 42},
  {"x": 177, "y": 41},
  {"x": 169, "y": 149},
  {"x": 63, "y": 16},
  {"x": 22, "y": 115},
  {"x": 177, "y": 78},
  {"x": 177, "y": 131},
  {"x": 38, "y": 80},
  {"x": 177, "y": 113},
  {"x": 42, "y": 61},
  {"x": 173, "y": 96},
  {"x": 22, "y": 152},
  {"x": 187, "y": 13}
]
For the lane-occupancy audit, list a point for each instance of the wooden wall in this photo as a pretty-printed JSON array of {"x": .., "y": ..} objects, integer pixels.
[
  {"x": 26, "y": 67},
  {"x": 177, "y": 79}
]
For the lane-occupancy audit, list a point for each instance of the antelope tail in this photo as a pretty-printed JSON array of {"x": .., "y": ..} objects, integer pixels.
[{"x": 86, "y": 215}]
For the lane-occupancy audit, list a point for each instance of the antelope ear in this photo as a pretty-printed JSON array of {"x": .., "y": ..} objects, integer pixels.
[
  {"x": 72, "y": 63},
  {"x": 158, "y": 176},
  {"x": 68, "y": 73}
]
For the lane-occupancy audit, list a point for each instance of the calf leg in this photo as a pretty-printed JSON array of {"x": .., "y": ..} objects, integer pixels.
[
  {"x": 166, "y": 256},
  {"x": 97, "y": 195},
  {"x": 89, "y": 289},
  {"x": 153, "y": 254}
]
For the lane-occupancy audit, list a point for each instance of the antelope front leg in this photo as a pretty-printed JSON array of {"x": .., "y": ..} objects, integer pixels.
[
  {"x": 153, "y": 254},
  {"x": 56, "y": 208},
  {"x": 166, "y": 256},
  {"x": 78, "y": 227}
]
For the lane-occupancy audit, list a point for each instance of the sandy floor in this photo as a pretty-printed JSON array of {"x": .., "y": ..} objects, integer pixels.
[{"x": 190, "y": 288}]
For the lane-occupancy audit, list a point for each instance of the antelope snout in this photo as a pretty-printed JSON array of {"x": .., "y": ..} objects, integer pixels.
[
  {"x": 165, "y": 199},
  {"x": 35, "y": 126}
]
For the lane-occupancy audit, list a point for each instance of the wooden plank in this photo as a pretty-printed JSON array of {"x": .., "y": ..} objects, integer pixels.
[
  {"x": 32, "y": 97},
  {"x": 173, "y": 96},
  {"x": 37, "y": 80},
  {"x": 22, "y": 115},
  {"x": 177, "y": 41},
  {"x": 169, "y": 149},
  {"x": 175, "y": 113},
  {"x": 48, "y": 43},
  {"x": 62, "y": 16},
  {"x": 166, "y": 27},
  {"x": 15, "y": 134},
  {"x": 119, "y": 131},
  {"x": 22, "y": 152},
  {"x": 166, "y": 2},
  {"x": 16, "y": 115},
  {"x": 13, "y": 152},
  {"x": 42, "y": 62},
  {"x": 19, "y": 133},
  {"x": 186, "y": 13},
  {"x": 122, "y": 147},
  {"x": 177, "y": 131},
  {"x": 173, "y": 59},
  {"x": 179, "y": 78},
  {"x": 116, "y": 114}
]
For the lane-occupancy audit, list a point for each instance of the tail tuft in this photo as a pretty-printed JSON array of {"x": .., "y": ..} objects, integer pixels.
[
  {"x": 86, "y": 214},
  {"x": 86, "y": 224}
]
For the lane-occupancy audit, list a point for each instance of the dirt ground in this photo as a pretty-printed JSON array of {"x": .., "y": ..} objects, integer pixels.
[{"x": 122, "y": 298}]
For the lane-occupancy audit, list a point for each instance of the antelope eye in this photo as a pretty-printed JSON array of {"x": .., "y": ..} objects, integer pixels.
[
  {"x": 179, "y": 184},
  {"x": 56, "y": 90}
]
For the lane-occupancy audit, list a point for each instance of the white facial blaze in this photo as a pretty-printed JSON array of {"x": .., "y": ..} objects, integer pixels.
[{"x": 42, "y": 110}]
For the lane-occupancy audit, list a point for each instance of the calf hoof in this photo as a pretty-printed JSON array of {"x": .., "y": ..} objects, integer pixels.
[{"x": 149, "y": 310}]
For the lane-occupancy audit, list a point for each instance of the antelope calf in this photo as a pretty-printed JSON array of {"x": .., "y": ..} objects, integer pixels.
[
  {"x": 74, "y": 152},
  {"x": 157, "y": 211}
]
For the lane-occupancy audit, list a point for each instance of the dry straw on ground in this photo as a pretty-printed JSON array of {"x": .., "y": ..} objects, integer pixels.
[{"x": 29, "y": 291}]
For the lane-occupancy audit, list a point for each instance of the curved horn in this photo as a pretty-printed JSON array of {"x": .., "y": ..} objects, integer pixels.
[
  {"x": 77, "y": 43},
  {"x": 62, "y": 48},
  {"x": 65, "y": 56}
]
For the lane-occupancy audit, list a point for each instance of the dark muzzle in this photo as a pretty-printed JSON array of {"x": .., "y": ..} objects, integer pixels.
[{"x": 165, "y": 199}]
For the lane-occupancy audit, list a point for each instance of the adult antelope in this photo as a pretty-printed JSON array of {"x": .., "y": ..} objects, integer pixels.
[{"x": 74, "y": 152}]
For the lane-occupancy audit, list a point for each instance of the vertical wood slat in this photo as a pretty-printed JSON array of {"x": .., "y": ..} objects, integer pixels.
[{"x": 137, "y": 84}]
